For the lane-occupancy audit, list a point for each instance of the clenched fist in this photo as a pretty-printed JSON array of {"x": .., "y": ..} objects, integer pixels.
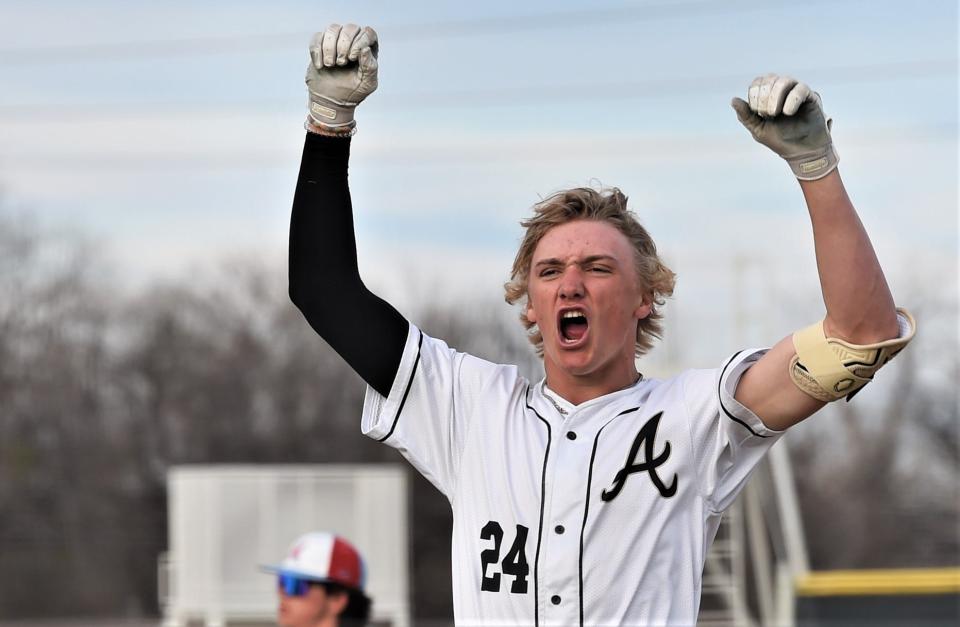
[
  {"x": 342, "y": 72},
  {"x": 787, "y": 116}
]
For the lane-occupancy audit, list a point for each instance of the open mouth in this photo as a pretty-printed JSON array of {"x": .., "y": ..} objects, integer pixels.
[{"x": 573, "y": 326}]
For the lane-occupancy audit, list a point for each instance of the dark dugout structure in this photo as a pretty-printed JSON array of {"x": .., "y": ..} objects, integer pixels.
[{"x": 927, "y": 597}]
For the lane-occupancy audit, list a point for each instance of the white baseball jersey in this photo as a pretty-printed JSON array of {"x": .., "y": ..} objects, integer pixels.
[{"x": 600, "y": 514}]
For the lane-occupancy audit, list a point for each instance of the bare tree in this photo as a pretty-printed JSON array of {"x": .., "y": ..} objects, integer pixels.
[
  {"x": 56, "y": 450},
  {"x": 878, "y": 477}
]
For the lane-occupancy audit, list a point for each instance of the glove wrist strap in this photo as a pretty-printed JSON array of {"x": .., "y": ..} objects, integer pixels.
[
  {"x": 813, "y": 166},
  {"x": 330, "y": 113}
]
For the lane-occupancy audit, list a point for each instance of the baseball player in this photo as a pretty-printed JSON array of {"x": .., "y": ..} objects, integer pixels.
[
  {"x": 592, "y": 496},
  {"x": 320, "y": 583}
]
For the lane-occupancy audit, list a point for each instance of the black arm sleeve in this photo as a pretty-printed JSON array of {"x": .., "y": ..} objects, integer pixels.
[{"x": 325, "y": 282}]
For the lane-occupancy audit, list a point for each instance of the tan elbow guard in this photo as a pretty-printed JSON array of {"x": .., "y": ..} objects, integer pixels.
[{"x": 829, "y": 369}]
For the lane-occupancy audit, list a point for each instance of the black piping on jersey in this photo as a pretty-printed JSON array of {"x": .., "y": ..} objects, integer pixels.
[
  {"x": 586, "y": 501},
  {"x": 720, "y": 397},
  {"x": 403, "y": 401},
  {"x": 543, "y": 497}
]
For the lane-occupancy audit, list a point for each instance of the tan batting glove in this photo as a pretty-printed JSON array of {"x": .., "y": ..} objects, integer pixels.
[
  {"x": 342, "y": 72},
  {"x": 786, "y": 116}
]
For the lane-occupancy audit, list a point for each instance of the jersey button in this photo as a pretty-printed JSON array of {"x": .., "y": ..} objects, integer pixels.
[
  {"x": 571, "y": 435},
  {"x": 559, "y": 529},
  {"x": 555, "y": 600}
]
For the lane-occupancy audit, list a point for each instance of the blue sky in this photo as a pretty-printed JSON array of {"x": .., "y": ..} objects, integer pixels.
[{"x": 172, "y": 132}]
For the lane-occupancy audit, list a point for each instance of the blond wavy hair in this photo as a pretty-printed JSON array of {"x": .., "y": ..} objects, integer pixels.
[{"x": 604, "y": 205}]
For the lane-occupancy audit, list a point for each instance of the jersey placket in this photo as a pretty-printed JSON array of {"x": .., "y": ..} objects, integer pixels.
[{"x": 564, "y": 491}]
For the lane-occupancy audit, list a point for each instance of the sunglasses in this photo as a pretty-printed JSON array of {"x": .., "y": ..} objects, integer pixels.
[{"x": 292, "y": 585}]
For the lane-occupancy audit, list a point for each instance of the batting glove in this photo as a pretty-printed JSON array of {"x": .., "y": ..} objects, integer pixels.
[
  {"x": 787, "y": 116},
  {"x": 342, "y": 72}
]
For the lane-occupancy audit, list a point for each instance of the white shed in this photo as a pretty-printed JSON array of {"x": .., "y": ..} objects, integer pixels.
[{"x": 225, "y": 521}]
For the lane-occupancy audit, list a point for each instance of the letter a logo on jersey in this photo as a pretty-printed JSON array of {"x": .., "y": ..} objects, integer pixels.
[{"x": 645, "y": 436}]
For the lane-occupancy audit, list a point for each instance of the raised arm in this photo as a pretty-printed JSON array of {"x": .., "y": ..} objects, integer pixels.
[
  {"x": 325, "y": 282},
  {"x": 861, "y": 330}
]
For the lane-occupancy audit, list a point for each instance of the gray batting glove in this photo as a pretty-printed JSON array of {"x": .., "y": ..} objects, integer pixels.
[
  {"x": 342, "y": 72},
  {"x": 787, "y": 116}
]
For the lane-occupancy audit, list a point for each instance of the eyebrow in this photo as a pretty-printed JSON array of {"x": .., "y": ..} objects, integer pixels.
[{"x": 553, "y": 261}]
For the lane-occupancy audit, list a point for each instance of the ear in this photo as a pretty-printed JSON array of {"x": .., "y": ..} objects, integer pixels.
[
  {"x": 338, "y": 601},
  {"x": 644, "y": 308},
  {"x": 530, "y": 313}
]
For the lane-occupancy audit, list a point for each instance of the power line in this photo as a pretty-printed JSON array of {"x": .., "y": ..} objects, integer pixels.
[
  {"x": 258, "y": 43},
  {"x": 666, "y": 87},
  {"x": 514, "y": 150},
  {"x": 521, "y": 96}
]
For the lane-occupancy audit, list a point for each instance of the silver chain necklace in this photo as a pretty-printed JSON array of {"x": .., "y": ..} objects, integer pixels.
[
  {"x": 543, "y": 390},
  {"x": 561, "y": 410}
]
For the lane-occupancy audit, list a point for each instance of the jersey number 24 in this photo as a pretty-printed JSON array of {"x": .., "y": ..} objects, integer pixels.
[{"x": 514, "y": 562}]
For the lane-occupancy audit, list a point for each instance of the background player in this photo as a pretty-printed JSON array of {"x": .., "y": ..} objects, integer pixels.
[
  {"x": 320, "y": 583},
  {"x": 591, "y": 497}
]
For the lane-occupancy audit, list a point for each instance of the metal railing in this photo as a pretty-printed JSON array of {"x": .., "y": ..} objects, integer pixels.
[{"x": 758, "y": 553}]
